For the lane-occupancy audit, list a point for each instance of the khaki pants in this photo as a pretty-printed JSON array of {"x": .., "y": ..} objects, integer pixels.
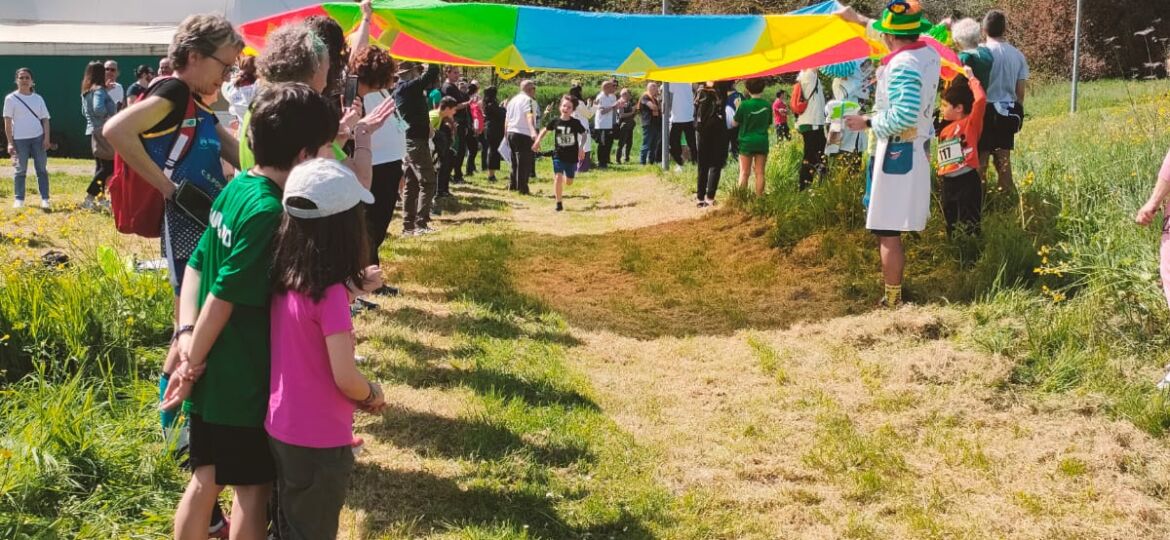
[{"x": 419, "y": 170}]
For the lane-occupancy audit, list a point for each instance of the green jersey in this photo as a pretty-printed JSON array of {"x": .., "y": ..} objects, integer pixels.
[
  {"x": 234, "y": 258},
  {"x": 754, "y": 117}
]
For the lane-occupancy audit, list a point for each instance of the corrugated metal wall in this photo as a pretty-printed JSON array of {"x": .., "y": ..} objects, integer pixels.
[{"x": 58, "y": 80}]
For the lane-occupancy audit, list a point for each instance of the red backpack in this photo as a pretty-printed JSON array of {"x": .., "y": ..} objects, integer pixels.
[
  {"x": 799, "y": 102},
  {"x": 137, "y": 205}
]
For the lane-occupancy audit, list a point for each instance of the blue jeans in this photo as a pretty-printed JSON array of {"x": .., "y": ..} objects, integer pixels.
[
  {"x": 651, "y": 143},
  {"x": 35, "y": 149}
]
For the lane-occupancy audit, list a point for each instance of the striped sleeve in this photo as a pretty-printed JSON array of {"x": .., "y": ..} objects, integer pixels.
[{"x": 905, "y": 98}]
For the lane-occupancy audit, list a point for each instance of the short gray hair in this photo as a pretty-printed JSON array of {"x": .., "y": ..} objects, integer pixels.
[
  {"x": 967, "y": 33},
  {"x": 203, "y": 34},
  {"x": 293, "y": 53}
]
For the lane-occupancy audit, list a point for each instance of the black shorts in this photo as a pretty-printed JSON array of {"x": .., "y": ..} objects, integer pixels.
[
  {"x": 885, "y": 234},
  {"x": 999, "y": 132},
  {"x": 241, "y": 455}
]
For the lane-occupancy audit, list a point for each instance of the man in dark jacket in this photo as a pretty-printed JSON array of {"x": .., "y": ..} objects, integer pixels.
[{"x": 411, "y": 97}]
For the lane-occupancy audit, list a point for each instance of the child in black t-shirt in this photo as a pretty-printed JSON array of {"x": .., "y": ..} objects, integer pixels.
[{"x": 568, "y": 139}]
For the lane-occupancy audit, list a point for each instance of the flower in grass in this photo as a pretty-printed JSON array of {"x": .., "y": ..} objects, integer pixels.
[{"x": 4, "y": 339}]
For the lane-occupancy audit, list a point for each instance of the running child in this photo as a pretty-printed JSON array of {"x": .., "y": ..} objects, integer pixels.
[
  {"x": 569, "y": 139},
  {"x": 223, "y": 309},
  {"x": 963, "y": 104},
  {"x": 753, "y": 117},
  {"x": 315, "y": 386}
]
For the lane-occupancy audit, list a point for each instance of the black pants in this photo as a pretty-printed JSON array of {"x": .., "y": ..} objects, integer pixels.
[
  {"x": 472, "y": 150},
  {"x": 782, "y": 133},
  {"x": 625, "y": 141},
  {"x": 814, "y": 155},
  {"x": 962, "y": 202},
  {"x": 733, "y": 142},
  {"x": 604, "y": 140},
  {"x": 378, "y": 215},
  {"x": 486, "y": 147},
  {"x": 522, "y": 162},
  {"x": 491, "y": 152},
  {"x": 447, "y": 161},
  {"x": 712, "y": 157},
  {"x": 459, "y": 151},
  {"x": 677, "y": 130},
  {"x": 103, "y": 168}
]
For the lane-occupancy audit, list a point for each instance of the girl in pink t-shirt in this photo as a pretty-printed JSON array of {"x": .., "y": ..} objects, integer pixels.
[
  {"x": 315, "y": 386},
  {"x": 1145, "y": 216}
]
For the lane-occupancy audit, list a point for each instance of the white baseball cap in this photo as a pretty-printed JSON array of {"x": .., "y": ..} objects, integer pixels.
[{"x": 328, "y": 184}]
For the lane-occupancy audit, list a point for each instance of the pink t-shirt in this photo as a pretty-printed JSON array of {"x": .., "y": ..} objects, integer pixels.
[{"x": 305, "y": 407}]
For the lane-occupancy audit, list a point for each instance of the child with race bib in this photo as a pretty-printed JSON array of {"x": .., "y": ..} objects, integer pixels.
[
  {"x": 569, "y": 140},
  {"x": 315, "y": 387},
  {"x": 963, "y": 104}
]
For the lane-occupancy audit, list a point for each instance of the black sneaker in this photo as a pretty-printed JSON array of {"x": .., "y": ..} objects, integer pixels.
[
  {"x": 386, "y": 290},
  {"x": 560, "y": 207}
]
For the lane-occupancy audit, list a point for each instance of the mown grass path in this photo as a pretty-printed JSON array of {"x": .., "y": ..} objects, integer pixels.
[{"x": 634, "y": 368}]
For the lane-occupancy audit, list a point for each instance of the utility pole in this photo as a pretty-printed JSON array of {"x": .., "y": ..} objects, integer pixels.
[
  {"x": 1076, "y": 59},
  {"x": 665, "y": 110}
]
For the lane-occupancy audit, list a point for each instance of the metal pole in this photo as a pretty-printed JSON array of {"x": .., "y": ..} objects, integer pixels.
[
  {"x": 665, "y": 111},
  {"x": 1076, "y": 59}
]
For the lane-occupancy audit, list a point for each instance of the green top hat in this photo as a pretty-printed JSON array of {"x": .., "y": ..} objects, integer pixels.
[{"x": 902, "y": 18}]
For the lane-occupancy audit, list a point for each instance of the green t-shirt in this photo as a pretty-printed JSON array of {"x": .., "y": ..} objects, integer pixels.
[
  {"x": 247, "y": 160},
  {"x": 980, "y": 60},
  {"x": 754, "y": 116},
  {"x": 234, "y": 258}
]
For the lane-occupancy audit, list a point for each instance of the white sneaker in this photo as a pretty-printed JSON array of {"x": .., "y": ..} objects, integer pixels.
[
  {"x": 18, "y": 203},
  {"x": 678, "y": 168},
  {"x": 45, "y": 204},
  {"x": 1165, "y": 384},
  {"x": 87, "y": 204}
]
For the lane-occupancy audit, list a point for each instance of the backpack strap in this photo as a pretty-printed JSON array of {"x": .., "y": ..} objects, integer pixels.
[{"x": 184, "y": 140}]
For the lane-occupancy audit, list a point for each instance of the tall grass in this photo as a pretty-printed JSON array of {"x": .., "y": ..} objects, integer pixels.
[{"x": 80, "y": 451}]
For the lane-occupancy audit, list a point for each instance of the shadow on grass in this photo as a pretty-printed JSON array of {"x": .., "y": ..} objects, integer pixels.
[
  {"x": 476, "y": 269},
  {"x": 415, "y": 503},
  {"x": 483, "y": 381},
  {"x": 432, "y": 435},
  {"x": 462, "y": 203},
  {"x": 490, "y": 326}
]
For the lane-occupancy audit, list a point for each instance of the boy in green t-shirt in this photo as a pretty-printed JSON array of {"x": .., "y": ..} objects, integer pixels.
[
  {"x": 753, "y": 117},
  {"x": 223, "y": 317}
]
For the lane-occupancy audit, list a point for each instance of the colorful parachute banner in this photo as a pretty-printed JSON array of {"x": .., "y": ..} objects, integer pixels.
[{"x": 675, "y": 48}]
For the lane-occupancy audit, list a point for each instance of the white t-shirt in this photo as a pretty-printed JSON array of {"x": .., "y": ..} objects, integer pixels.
[
  {"x": 682, "y": 103},
  {"x": 604, "y": 120},
  {"x": 26, "y": 124},
  {"x": 239, "y": 98},
  {"x": 118, "y": 94},
  {"x": 1008, "y": 68},
  {"x": 388, "y": 144},
  {"x": 518, "y": 107}
]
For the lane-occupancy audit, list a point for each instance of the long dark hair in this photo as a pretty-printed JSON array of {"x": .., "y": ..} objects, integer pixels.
[
  {"x": 315, "y": 254},
  {"x": 95, "y": 75}
]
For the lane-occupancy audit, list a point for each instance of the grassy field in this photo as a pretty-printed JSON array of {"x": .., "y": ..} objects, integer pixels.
[{"x": 638, "y": 368}]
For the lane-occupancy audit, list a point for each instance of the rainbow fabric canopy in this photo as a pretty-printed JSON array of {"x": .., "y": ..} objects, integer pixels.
[{"x": 674, "y": 48}]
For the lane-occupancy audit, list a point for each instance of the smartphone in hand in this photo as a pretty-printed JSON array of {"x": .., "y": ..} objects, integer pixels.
[{"x": 351, "y": 87}]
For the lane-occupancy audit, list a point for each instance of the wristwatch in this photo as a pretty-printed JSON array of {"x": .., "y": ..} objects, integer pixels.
[{"x": 185, "y": 329}]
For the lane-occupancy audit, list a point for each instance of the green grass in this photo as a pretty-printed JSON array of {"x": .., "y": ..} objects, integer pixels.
[
  {"x": 1060, "y": 283},
  {"x": 1060, "y": 280}
]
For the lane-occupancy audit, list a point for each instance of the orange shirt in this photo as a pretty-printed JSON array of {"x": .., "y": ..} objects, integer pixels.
[{"x": 958, "y": 142}]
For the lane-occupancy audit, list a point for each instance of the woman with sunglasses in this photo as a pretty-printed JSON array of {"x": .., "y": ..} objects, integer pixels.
[{"x": 203, "y": 51}]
